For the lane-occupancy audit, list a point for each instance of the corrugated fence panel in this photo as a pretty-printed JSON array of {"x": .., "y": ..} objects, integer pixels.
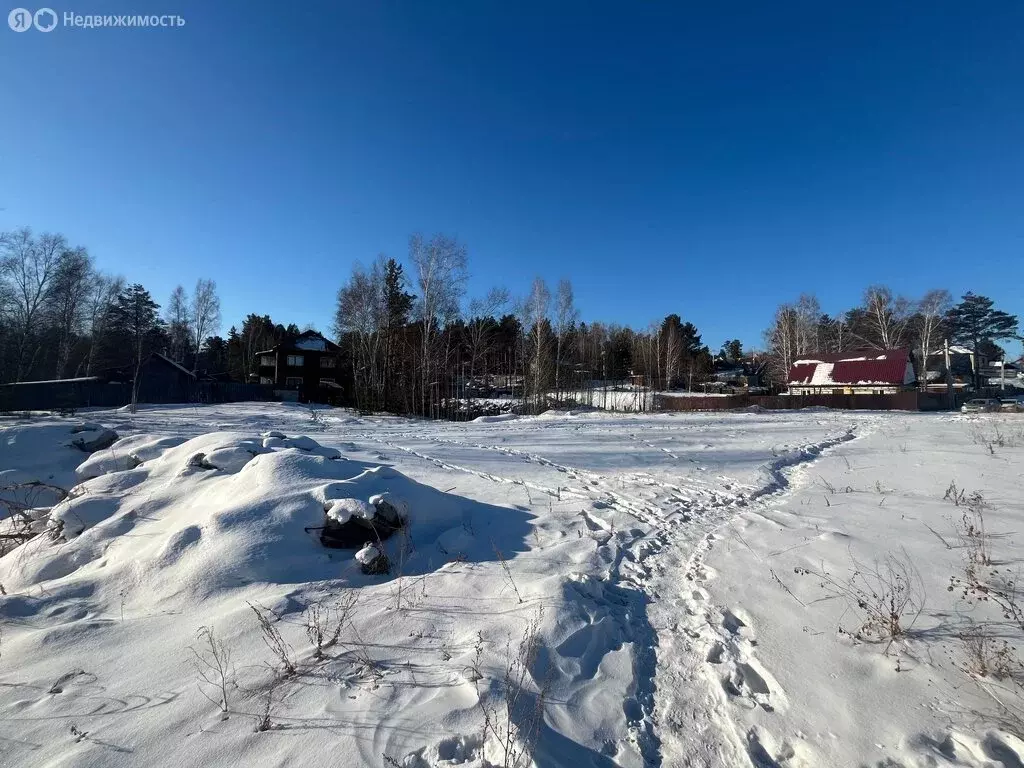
[{"x": 901, "y": 401}]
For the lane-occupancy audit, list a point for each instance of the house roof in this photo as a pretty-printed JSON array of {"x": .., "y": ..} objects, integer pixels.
[
  {"x": 954, "y": 349},
  {"x": 168, "y": 360},
  {"x": 307, "y": 341},
  {"x": 887, "y": 367}
]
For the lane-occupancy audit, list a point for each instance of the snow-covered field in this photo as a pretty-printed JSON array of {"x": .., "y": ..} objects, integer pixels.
[{"x": 688, "y": 583}]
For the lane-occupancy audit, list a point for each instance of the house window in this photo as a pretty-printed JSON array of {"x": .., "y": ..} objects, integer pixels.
[
  {"x": 293, "y": 381},
  {"x": 296, "y": 361},
  {"x": 266, "y": 380},
  {"x": 267, "y": 360},
  {"x": 326, "y": 362}
]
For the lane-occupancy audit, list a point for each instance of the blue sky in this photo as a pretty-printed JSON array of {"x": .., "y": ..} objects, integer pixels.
[{"x": 710, "y": 159}]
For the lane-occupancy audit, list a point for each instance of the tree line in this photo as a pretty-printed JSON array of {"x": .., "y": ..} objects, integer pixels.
[
  {"x": 62, "y": 317},
  {"x": 410, "y": 348},
  {"x": 413, "y": 342},
  {"x": 884, "y": 320}
]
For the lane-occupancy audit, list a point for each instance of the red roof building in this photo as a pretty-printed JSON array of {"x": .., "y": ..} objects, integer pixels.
[{"x": 867, "y": 372}]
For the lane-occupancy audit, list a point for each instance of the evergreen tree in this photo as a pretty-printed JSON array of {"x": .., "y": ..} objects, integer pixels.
[
  {"x": 976, "y": 323},
  {"x": 136, "y": 324},
  {"x": 398, "y": 305},
  {"x": 215, "y": 354},
  {"x": 732, "y": 350}
]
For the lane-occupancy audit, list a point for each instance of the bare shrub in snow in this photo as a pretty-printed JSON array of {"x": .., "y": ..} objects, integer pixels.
[
  {"x": 514, "y": 713},
  {"x": 317, "y": 418},
  {"x": 22, "y": 506},
  {"x": 993, "y": 437},
  {"x": 405, "y": 548},
  {"x": 986, "y": 655},
  {"x": 508, "y": 571},
  {"x": 982, "y": 581},
  {"x": 212, "y": 662},
  {"x": 971, "y": 530},
  {"x": 326, "y": 622},
  {"x": 954, "y": 494},
  {"x": 265, "y": 719},
  {"x": 986, "y": 584},
  {"x": 273, "y": 640},
  {"x": 992, "y": 663},
  {"x": 887, "y": 597}
]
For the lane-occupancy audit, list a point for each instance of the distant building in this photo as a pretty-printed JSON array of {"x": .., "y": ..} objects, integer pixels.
[
  {"x": 736, "y": 377},
  {"x": 964, "y": 366},
  {"x": 161, "y": 380},
  {"x": 870, "y": 372},
  {"x": 309, "y": 367}
]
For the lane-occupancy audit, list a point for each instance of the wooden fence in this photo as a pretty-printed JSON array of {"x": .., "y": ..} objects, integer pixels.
[
  {"x": 72, "y": 394},
  {"x": 902, "y": 401}
]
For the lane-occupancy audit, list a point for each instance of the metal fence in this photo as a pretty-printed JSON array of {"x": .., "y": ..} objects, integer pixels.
[{"x": 901, "y": 401}]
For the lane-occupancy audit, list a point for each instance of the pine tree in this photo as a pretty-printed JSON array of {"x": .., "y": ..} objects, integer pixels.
[
  {"x": 975, "y": 322},
  {"x": 397, "y": 306},
  {"x": 136, "y": 323},
  {"x": 732, "y": 350}
]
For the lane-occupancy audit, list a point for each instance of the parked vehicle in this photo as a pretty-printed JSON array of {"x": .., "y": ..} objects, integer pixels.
[
  {"x": 1013, "y": 404},
  {"x": 981, "y": 405}
]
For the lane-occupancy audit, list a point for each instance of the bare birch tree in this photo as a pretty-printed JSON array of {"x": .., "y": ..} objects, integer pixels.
[
  {"x": 67, "y": 301},
  {"x": 204, "y": 317},
  {"x": 781, "y": 338},
  {"x": 103, "y": 291},
  {"x": 808, "y": 328},
  {"x": 440, "y": 265},
  {"x": 928, "y": 323},
  {"x": 886, "y": 317},
  {"x": 565, "y": 318},
  {"x": 30, "y": 264},
  {"x": 361, "y": 317},
  {"x": 534, "y": 309},
  {"x": 480, "y": 326},
  {"x": 179, "y": 324}
]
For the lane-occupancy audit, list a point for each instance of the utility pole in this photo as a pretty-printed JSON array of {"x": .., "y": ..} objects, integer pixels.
[{"x": 949, "y": 374}]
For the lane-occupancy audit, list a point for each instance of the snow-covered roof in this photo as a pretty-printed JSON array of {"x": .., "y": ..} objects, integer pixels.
[
  {"x": 308, "y": 341},
  {"x": 312, "y": 344},
  {"x": 886, "y": 368},
  {"x": 53, "y": 381},
  {"x": 954, "y": 349}
]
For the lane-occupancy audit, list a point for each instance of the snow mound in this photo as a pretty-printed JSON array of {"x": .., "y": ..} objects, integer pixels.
[
  {"x": 496, "y": 418},
  {"x": 125, "y": 454},
  {"x": 192, "y": 519},
  {"x": 44, "y": 451},
  {"x": 91, "y": 437},
  {"x": 276, "y": 439}
]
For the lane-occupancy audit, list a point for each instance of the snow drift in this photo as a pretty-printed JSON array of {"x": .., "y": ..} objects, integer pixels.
[{"x": 197, "y": 517}]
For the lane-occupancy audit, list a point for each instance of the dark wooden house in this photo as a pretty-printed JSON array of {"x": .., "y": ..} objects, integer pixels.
[
  {"x": 310, "y": 365},
  {"x": 161, "y": 380}
]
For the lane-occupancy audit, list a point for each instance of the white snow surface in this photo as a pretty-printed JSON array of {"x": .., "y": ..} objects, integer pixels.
[
  {"x": 343, "y": 510},
  {"x": 666, "y": 555}
]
